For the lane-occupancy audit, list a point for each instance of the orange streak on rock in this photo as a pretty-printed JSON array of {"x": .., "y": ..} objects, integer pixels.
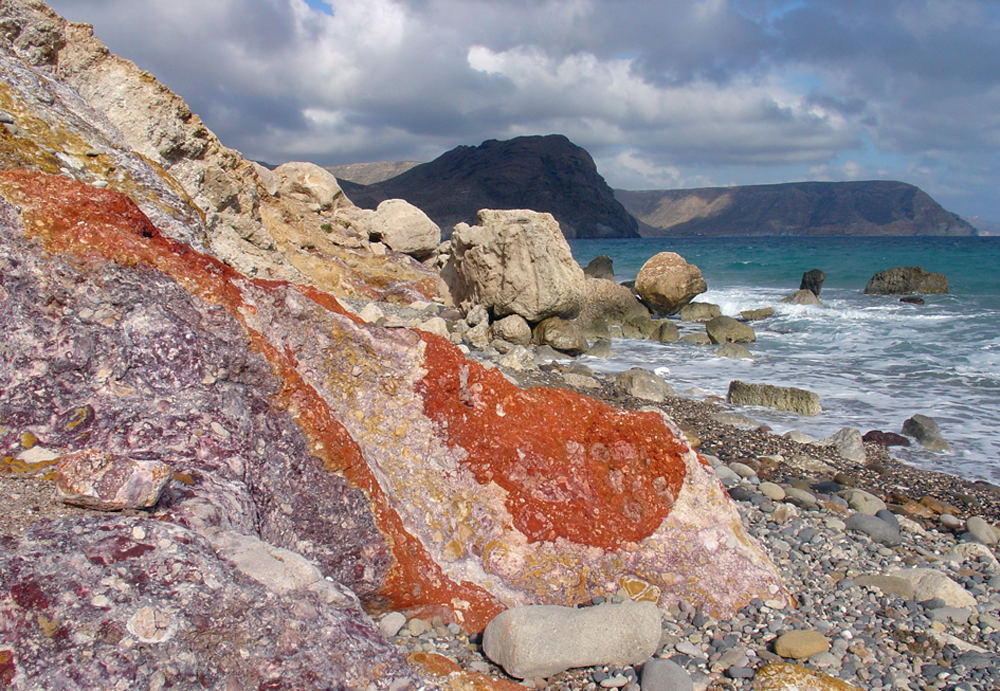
[
  {"x": 102, "y": 225},
  {"x": 573, "y": 466}
]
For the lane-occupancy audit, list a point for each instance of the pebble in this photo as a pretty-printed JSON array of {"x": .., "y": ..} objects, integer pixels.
[
  {"x": 801, "y": 644},
  {"x": 950, "y": 522},
  {"x": 877, "y": 529},
  {"x": 772, "y": 491},
  {"x": 981, "y": 530}
]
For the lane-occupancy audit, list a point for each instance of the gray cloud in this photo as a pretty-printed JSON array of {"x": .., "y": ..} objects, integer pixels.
[{"x": 672, "y": 93}]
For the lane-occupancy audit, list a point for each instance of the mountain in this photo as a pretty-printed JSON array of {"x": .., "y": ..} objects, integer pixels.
[
  {"x": 543, "y": 173},
  {"x": 985, "y": 226},
  {"x": 368, "y": 173},
  {"x": 876, "y": 207}
]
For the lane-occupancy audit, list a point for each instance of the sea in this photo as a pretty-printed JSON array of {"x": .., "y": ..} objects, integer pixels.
[{"x": 873, "y": 360}]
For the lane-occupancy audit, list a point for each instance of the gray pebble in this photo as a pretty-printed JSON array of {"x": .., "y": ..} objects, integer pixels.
[{"x": 664, "y": 675}]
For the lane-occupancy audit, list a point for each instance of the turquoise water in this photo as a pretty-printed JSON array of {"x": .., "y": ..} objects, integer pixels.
[{"x": 873, "y": 360}]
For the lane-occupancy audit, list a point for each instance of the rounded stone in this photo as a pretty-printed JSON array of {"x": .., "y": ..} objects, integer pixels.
[
  {"x": 772, "y": 491},
  {"x": 801, "y": 644}
]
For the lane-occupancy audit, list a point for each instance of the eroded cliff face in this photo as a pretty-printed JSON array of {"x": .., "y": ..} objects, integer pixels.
[
  {"x": 396, "y": 472},
  {"x": 82, "y": 111}
]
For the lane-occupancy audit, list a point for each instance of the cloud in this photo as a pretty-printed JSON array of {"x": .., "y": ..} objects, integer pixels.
[{"x": 692, "y": 92}]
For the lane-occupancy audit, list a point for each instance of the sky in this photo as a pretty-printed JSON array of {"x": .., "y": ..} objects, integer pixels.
[{"x": 663, "y": 94}]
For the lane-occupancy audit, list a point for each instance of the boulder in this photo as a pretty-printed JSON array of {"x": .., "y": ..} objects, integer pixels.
[
  {"x": 885, "y": 438},
  {"x": 874, "y": 527},
  {"x": 644, "y": 384},
  {"x": 906, "y": 279},
  {"x": 110, "y": 482},
  {"x": 606, "y": 304},
  {"x": 560, "y": 334},
  {"x": 543, "y": 640},
  {"x": 310, "y": 183},
  {"x": 666, "y": 283},
  {"x": 925, "y": 430},
  {"x": 696, "y": 339},
  {"x": 729, "y": 330},
  {"x": 667, "y": 332},
  {"x": 515, "y": 262},
  {"x": 600, "y": 266},
  {"x": 640, "y": 327},
  {"x": 757, "y": 314},
  {"x": 665, "y": 675},
  {"x": 404, "y": 228},
  {"x": 812, "y": 281},
  {"x": 802, "y": 297},
  {"x": 699, "y": 312},
  {"x": 734, "y": 351},
  {"x": 780, "y": 397},
  {"x": 929, "y": 584},
  {"x": 513, "y": 328},
  {"x": 848, "y": 443}
]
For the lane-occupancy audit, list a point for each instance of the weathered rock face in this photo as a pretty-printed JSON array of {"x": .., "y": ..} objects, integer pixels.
[
  {"x": 515, "y": 262},
  {"x": 906, "y": 279},
  {"x": 83, "y": 112},
  {"x": 666, "y": 283},
  {"x": 606, "y": 304},
  {"x": 478, "y": 483}
]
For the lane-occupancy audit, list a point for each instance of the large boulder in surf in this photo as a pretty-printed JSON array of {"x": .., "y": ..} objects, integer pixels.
[
  {"x": 779, "y": 397},
  {"x": 906, "y": 279},
  {"x": 608, "y": 304},
  {"x": 812, "y": 281},
  {"x": 515, "y": 262},
  {"x": 666, "y": 282},
  {"x": 728, "y": 330}
]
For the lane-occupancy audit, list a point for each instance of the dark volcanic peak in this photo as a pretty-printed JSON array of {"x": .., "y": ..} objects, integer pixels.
[
  {"x": 876, "y": 207},
  {"x": 543, "y": 173}
]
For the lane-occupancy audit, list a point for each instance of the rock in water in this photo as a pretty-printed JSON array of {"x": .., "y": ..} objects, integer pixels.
[
  {"x": 729, "y": 330},
  {"x": 515, "y": 262},
  {"x": 542, "y": 640},
  {"x": 780, "y": 397},
  {"x": 802, "y": 297},
  {"x": 644, "y": 384},
  {"x": 109, "y": 482},
  {"x": 666, "y": 283},
  {"x": 699, "y": 312},
  {"x": 607, "y": 304},
  {"x": 927, "y": 432},
  {"x": 812, "y": 281},
  {"x": 561, "y": 334},
  {"x": 906, "y": 279}
]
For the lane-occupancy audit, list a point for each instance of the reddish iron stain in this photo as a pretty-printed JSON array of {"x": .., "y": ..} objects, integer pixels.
[
  {"x": 29, "y": 595},
  {"x": 115, "y": 549},
  {"x": 102, "y": 225},
  {"x": 573, "y": 466}
]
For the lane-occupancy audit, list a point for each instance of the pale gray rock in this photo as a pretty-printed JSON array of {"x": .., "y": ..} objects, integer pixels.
[
  {"x": 802, "y": 297},
  {"x": 391, "y": 623},
  {"x": 667, "y": 331},
  {"x": 435, "y": 325},
  {"x": 405, "y": 228},
  {"x": 310, "y": 183},
  {"x": 644, "y": 384},
  {"x": 729, "y": 330},
  {"x": 981, "y": 530},
  {"x": 542, "y": 640},
  {"x": 699, "y": 312},
  {"x": 930, "y": 583},
  {"x": 890, "y": 585},
  {"x": 848, "y": 443},
  {"x": 736, "y": 420},
  {"x": 797, "y": 436},
  {"x": 515, "y": 262},
  {"x": 666, "y": 282},
  {"x": 772, "y": 491},
  {"x": 779, "y": 397},
  {"x": 513, "y": 328},
  {"x": 665, "y": 675},
  {"x": 696, "y": 339},
  {"x": 560, "y": 334},
  {"x": 863, "y": 502},
  {"x": 800, "y": 497}
]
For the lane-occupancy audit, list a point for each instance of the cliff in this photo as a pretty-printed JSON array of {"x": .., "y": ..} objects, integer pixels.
[
  {"x": 541, "y": 173},
  {"x": 878, "y": 207}
]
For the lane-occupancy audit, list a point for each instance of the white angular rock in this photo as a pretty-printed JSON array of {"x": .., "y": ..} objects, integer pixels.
[
  {"x": 405, "y": 228},
  {"x": 929, "y": 583},
  {"x": 644, "y": 384},
  {"x": 848, "y": 443},
  {"x": 310, "y": 183},
  {"x": 542, "y": 640},
  {"x": 515, "y": 262}
]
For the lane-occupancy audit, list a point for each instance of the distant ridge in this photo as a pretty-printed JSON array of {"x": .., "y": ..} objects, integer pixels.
[
  {"x": 370, "y": 173},
  {"x": 543, "y": 173},
  {"x": 876, "y": 207}
]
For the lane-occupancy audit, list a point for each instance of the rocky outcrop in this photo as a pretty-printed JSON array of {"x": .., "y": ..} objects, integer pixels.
[
  {"x": 544, "y": 173},
  {"x": 874, "y": 207},
  {"x": 515, "y": 262},
  {"x": 779, "y": 397},
  {"x": 666, "y": 283},
  {"x": 812, "y": 281},
  {"x": 906, "y": 279},
  {"x": 81, "y": 111}
]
